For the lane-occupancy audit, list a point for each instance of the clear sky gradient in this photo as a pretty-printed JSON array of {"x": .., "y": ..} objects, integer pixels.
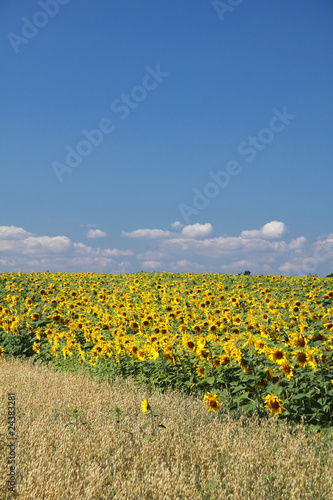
[{"x": 171, "y": 135}]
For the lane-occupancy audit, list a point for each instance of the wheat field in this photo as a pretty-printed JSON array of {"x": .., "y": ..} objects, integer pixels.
[{"x": 72, "y": 444}]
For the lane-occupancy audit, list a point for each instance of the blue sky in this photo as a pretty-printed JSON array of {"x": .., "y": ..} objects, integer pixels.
[{"x": 174, "y": 135}]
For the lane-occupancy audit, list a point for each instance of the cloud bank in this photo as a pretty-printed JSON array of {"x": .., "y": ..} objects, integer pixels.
[{"x": 190, "y": 248}]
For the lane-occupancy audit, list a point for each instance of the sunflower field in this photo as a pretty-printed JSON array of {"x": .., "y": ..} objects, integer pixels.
[{"x": 261, "y": 344}]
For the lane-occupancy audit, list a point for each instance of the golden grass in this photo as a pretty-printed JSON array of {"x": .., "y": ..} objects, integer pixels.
[{"x": 198, "y": 455}]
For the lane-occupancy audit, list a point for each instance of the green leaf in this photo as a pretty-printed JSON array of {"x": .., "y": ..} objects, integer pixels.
[
  {"x": 299, "y": 396},
  {"x": 238, "y": 388},
  {"x": 241, "y": 397}
]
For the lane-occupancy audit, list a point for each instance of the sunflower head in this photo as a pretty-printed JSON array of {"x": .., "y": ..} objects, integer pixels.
[
  {"x": 201, "y": 371},
  {"x": 212, "y": 402},
  {"x": 190, "y": 345},
  {"x": 202, "y": 353},
  {"x": 145, "y": 405},
  {"x": 274, "y": 404},
  {"x": 36, "y": 348},
  {"x": 301, "y": 358},
  {"x": 278, "y": 355},
  {"x": 287, "y": 369},
  {"x": 225, "y": 359}
]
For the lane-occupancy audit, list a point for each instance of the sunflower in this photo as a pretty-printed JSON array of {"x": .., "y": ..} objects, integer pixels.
[
  {"x": 201, "y": 371},
  {"x": 277, "y": 355},
  {"x": 202, "y": 354},
  {"x": 310, "y": 358},
  {"x": 30, "y": 328},
  {"x": 190, "y": 345},
  {"x": 168, "y": 354},
  {"x": 225, "y": 359},
  {"x": 141, "y": 355},
  {"x": 133, "y": 349},
  {"x": 216, "y": 362},
  {"x": 300, "y": 357},
  {"x": 274, "y": 404},
  {"x": 242, "y": 363},
  {"x": 318, "y": 336},
  {"x": 53, "y": 351},
  {"x": 287, "y": 369},
  {"x": 201, "y": 342},
  {"x": 1, "y": 351},
  {"x": 36, "y": 348},
  {"x": 145, "y": 405},
  {"x": 299, "y": 340},
  {"x": 260, "y": 345},
  {"x": 108, "y": 350},
  {"x": 153, "y": 352},
  {"x": 212, "y": 402}
]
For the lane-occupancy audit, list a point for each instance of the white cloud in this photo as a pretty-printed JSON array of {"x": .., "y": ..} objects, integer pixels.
[
  {"x": 240, "y": 266},
  {"x": 36, "y": 245},
  {"x": 190, "y": 249},
  {"x": 197, "y": 230},
  {"x": 274, "y": 229},
  {"x": 13, "y": 233},
  {"x": 152, "y": 255},
  {"x": 115, "y": 252},
  {"x": 96, "y": 233},
  {"x": 10, "y": 246},
  {"x": 82, "y": 249},
  {"x": 152, "y": 265},
  {"x": 22, "y": 252},
  {"x": 148, "y": 233},
  {"x": 323, "y": 249},
  {"x": 177, "y": 224},
  {"x": 184, "y": 265},
  {"x": 45, "y": 244},
  {"x": 85, "y": 250},
  {"x": 304, "y": 261},
  {"x": 298, "y": 243},
  {"x": 190, "y": 231},
  {"x": 287, "y": 267}
]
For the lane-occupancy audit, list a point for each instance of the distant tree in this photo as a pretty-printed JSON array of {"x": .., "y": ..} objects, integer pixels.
[
  {"x": 329, "y": 276},
  {"x": 247, "y": 273}
]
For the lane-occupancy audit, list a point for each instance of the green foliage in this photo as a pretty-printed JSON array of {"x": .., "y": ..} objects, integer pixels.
[{"x": 240, "y": 384}]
